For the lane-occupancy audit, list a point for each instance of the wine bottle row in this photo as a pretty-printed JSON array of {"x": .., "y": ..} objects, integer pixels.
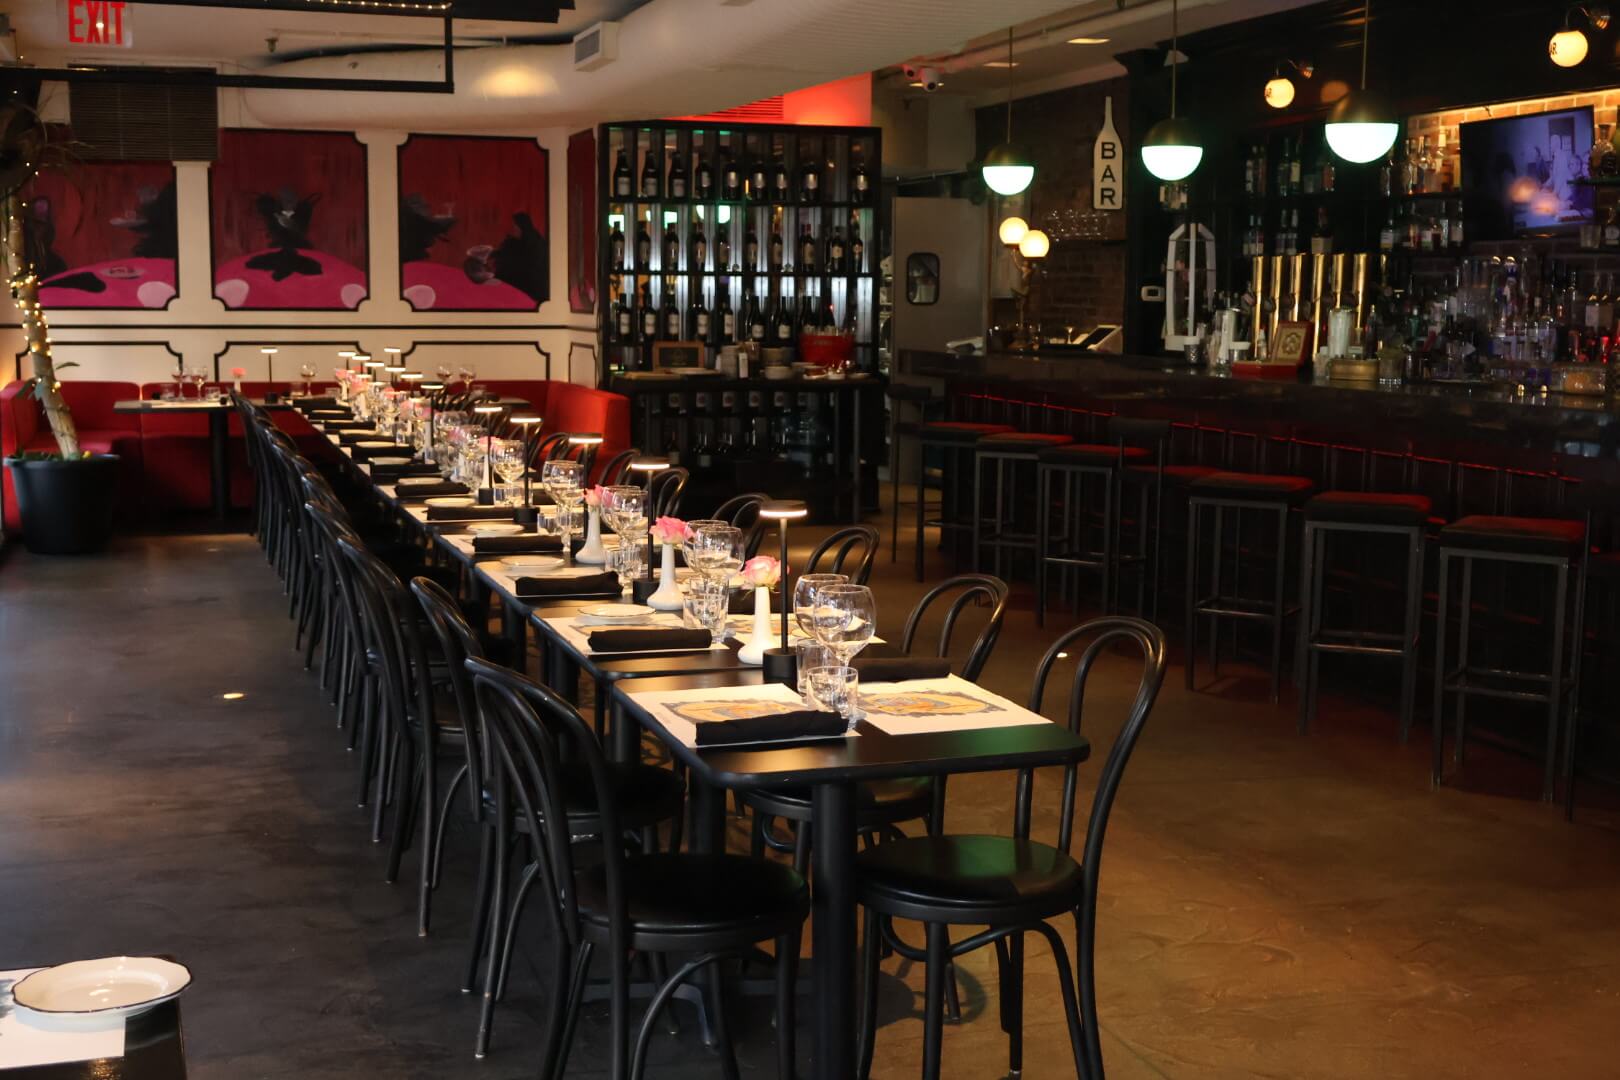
[
  {"x": 833, "y": 253},
  {"x": 709, "y": 430},
  {"x": 665, "y": 176},
  {"x": 777, "y": 320}
]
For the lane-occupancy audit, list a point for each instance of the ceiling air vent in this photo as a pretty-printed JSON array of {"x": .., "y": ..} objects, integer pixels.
[
  {"x": 144, "y": 122},
  {"x": 596, "y": 47}
]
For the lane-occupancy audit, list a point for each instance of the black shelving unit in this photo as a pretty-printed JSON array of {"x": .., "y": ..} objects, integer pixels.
[{"x": 675, "y": 241}]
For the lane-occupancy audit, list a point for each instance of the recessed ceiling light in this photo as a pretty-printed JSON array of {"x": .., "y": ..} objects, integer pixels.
[
  {"x": 234, "y": 695},
  {"x": 1088, "y": 41},
  {"x": 1002, "y": 63}
]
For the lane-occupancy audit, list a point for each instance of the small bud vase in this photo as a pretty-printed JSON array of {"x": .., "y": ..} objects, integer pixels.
[
  {"x": 668, "y": 595},
  {"x": 593, "y": 553},
  {"x": 760, "y": 639}
]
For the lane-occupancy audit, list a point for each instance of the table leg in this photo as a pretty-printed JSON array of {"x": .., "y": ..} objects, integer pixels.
[
  {"x": 708, "y": 818},
  {"x": 219, "y": 433},
  {"x": 514, "y": 624},
  {"x": 855, "y": 510},
  {"x": 832, "y": 928}
]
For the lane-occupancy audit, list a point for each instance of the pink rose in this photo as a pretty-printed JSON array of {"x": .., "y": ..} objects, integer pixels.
[
  {"x": 594, "y": 497},
  {"x": 668, "y": 530},
  {"x": 237, "y": 373},
  {"x": 761, "y": 571}
]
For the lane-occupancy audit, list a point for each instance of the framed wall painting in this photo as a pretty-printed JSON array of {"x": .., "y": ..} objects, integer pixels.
[
  {"x": 287, "y": 211},
  {"x": 474, "y": 223},
  {"x": 104, "y": 235},
  {"x": 582, "y": 222}
]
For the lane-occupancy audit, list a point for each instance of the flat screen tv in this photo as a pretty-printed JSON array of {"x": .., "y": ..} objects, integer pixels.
[{"x": 1520, "y": 173}]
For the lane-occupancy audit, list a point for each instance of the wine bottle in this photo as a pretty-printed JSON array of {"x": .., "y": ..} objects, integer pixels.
[
  {"x": 779, "y": 182},
  {"x": 776, "y": 248},
  {"x": 835, "y": 252},
  {"x": 700, "y": 249},
  {"x": 643, "y": 246},
  {"x": 624, "y": 321},
  {"x": 758, "y": 183},
  {"x": 754, "y": 318},
  {"x": 857, "y": 249},
  {"x": 621, "y": 177},
  {"x": 860, "y": 183},
  {"x": 702, "y": 180},
  {"x": 672, "y": 248},
  {"x": 672, "y": 313},
  {"x": 616, "y": 247},
  {"x": 722, "y": 248},
  {"x": 697, "y": 318},
  {"x": 724, "y": 320},
  {"x": 826, "y": 320},
  {"x": 807, "y": 249},
  {"x": 649, "y": 315},
  {"x": 730, "y": 179},
  {"x": 750, "y": 250},
  {"x": 809, "y": 181},
  {"x": 649, "y": 174},
  {"x": 782, "y": 323},
  {"x": 678, "y": 176}
]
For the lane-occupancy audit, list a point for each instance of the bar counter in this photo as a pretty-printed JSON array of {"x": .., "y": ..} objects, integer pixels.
[{"x": 1579, "y": 436}]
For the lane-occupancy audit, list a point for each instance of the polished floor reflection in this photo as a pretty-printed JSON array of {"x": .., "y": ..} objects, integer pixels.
[{"x": 1271, "y": 905}]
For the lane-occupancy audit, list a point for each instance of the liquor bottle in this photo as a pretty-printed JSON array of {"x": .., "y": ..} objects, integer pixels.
[
  {"x": 835, "y": 252},
  {"x": 780, "y": 188},
  {"x": 1293, "y": 233},
  {"x": 758, "y": 184},
  {"x": 1591, "y": 314},
  {"x": 643, "y": 246},
  {"x": 1386, "y": 175},
  {"x": 1456, "y": 225},
  {"x": 1330, "y": 171},
  {"x": 722, "y": 248},
  {"x": 649, "y": 315},
  {"x": 1322, "y": 240},
  {"x": 826, "y": 320},
  {"x": 672, "y": 312},
  {"x": 754, "y": 317},
  {"x": 1610, "y": 163},
  {"x": 678, "y": 176},
  {"x": 649, "y": 173},
  {"x": 725, "y": 319},
  {"x": 621, "y": 177},
  {"x": 809, "y": 181},
  {"x": 1611, "y": 230},
  {"x": 1426, "y": 235},
  {"x": 781, "y": 331},
  {"x": 809, "y": 315},
  {"x": 860, "y": 183},
  {"x": 1248, "y": 171},
  {"x": 702, "y": 180},
  {"x": 697, "y": 318},
  {"x": 852, "y": 315},
  {"x": 731, "y": 183},
  {"x": 672, "y": 248},
  {"x": 624, "y": 321},
  {"x": 750, "y": 250},
  {"x": 1606, "y": 302},
  {"x": 857, "y": 248},
  {"x": 616, "y": 247},
  {"x": 700, "y": 249},
  {"x": 1386, "y": 236},
  {"x": 1295, "y": 167},
  {"x": 777, "y": 248},
  {"x": 807, "y": 250}
]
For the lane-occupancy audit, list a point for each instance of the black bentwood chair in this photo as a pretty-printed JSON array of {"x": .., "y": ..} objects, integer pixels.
[
  {"x": 742, "y": 512},
  {"x": 1011, "y": 885},
  {"x": 703, "y": 908},
  {"x": 850, "y": 550}
]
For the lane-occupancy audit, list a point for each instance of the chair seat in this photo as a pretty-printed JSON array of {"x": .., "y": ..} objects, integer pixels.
[
  {"x": 962, "y": 431},
  {"x": 1095, "y": 454},
  {"x": 644, "y": 794},
  {"x": 1515, "y": 535},
  {"x": 1028, "y": 442},
  {"x": 879, "y": 802},
  {"x": 968, "y": 874},
  {"x": 1369, "y": 508},
  {"x": 1174, "y": 475},
  {"x": 1254, "y": 487},
  {"x": 700, "y": 894}
]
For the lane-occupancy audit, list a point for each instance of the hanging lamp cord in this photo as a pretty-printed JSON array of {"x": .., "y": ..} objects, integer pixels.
[
  {"x": 1366, "y": 34},
  {"x": 1009, "y": 83},
  {"x": 1175, "y": 51}
]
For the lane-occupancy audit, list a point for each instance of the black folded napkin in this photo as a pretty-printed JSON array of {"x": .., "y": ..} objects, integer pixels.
[
  {"x": 428, "y": 491},
  {"x": 900, "y": 668},
  {"x": 320, "y": 401},
  {"x": 602, "y": 584},
  {"x": 349, "y": 434},
  {"x": 469, "y": 513},
  {"x": 674, "y": 637},
  {"x": 384, "y": 473},
  {"x": 802, "y": 724},
  {"x": 529, "y": 544},
  {"x": 365, "y": 453}
]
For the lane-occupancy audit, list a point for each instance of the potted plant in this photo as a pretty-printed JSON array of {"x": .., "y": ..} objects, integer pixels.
[{"x": 65, "y": 499}]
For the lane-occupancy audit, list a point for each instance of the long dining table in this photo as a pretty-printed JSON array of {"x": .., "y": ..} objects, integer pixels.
[{"x": 635, "y": 688}]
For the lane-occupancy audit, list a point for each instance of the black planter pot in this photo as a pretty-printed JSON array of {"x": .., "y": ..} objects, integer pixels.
[{"x": 66, "y": 506}]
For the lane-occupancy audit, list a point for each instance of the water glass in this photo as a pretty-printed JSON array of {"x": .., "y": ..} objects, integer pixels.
[
  {"x": 810, "y": 655},
  {"x": 836, "y": 689},
  {"x": 710, "y": 606}
]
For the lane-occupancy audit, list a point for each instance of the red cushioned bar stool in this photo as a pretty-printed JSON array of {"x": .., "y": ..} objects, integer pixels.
[
  {"x": 1360, "y": 518},
  {"x": 1006, "y": 458},
  {"x": 1078, "y": 505},
  {"x": 1557, "y": 545},
  {"x": 1233, "y": 495},
  {"x": 955, "y": 439}
]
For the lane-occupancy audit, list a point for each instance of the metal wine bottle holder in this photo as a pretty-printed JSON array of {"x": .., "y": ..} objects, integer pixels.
[{"x": 1191, "y": 256}]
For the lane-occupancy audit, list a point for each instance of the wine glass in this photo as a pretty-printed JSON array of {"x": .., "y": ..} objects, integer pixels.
[
  {"x": 179, "y": 379},
  {"x": 805, "y": 591},
  {"x": 568, "y": 489},
  {"x": 308, "y": 371},
  {"x": 509, "y": 466},
  {"x": 468, "y": 374},
  {"x": 198, "y": 377},
  {"x": 844, "y": 619}
]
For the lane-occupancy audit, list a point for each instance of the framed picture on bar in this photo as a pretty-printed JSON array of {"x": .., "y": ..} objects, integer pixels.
[{"x": 1291, "y": 345}]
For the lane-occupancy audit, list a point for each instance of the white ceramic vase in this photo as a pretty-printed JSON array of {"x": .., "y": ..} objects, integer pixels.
[
  {"x": 668, "y": 595},
  {"x": 760, "y": 640},
  {"x": 593, "y": 553}
]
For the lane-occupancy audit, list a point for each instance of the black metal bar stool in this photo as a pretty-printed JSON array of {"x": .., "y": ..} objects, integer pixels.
[
  {"x": 1007, "y": 455},
  {"x": 901, "y": 395},
  {"x": 1065, "y": 477},
  {"x": 1358, "y": 516},
  {"x": 1239, "y": 493},
  {"x": 1554, "y": 543},
  {"x": 956, "y": 438}
]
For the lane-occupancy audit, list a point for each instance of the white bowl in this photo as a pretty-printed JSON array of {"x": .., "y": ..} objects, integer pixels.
[{"x": 451, "y": 500}]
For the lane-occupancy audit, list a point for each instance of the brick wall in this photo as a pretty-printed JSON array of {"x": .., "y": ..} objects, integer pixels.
[
  {"x": 1082, "y": 281},
  {"x": 1437, "y": 125}
]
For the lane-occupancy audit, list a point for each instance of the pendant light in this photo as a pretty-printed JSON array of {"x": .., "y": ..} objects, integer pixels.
[
  {"x": 1362, "y": 126},
  {"x": 1172, "y": 150},
  {"x": 1007, "y": 168},
  {"x": 1569, "y": 46}
]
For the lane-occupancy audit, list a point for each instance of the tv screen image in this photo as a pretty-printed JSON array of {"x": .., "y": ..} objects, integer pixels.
[{"x": 1521, "y": 174}]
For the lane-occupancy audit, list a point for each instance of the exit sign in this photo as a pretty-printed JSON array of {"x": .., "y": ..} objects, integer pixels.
[{"x": 103, "y": 23}]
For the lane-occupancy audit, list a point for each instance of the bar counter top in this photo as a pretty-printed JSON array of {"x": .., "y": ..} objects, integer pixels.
[{"x": 1444, "y": 417}]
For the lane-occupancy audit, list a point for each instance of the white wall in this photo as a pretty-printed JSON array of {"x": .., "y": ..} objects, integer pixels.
[{"x": 140, "y": 346}]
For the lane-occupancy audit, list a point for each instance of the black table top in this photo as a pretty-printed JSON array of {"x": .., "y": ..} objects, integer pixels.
[
  {"x": 872, "y": 755},
  {"x": 154, "y": 1049}
]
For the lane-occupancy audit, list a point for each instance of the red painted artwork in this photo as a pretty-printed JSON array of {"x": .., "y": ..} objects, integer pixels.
[
  {"x": 288, "y": 213},
  {"x": 582, "y": 222},
  {"x": 103, "y": 235},
  {"x": 474, "y": 223}
]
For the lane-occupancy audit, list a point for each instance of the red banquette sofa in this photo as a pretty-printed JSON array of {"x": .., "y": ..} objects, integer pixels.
[{"x": 165, "y": 457}]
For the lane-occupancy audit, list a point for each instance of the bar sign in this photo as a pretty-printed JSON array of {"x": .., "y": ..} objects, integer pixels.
[
  {"x": 102, "y": 23},
  {"x": 1107, "y": 165}
]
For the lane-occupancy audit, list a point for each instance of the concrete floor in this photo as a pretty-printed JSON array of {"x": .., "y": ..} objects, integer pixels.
[{"x": 1271, "y": 905}]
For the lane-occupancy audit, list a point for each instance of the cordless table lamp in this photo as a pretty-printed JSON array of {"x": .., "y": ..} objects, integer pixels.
[
  {"x": 648, "y": 467},
  {"x": 587, "y": 441},
  {"x": 527, "y": 514},
  {"x": 486, "y": 494},
  {"x": 778, "y": 666}
]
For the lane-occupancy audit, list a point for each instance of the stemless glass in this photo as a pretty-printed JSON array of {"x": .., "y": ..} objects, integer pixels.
[
  {"x": 845, "y": 618},
  {"x": 836, "y": 689},
  {"x": 804, "y": 597},
  {"x": 710, "y": 606}
]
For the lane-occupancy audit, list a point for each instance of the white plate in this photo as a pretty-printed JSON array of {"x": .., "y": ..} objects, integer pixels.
[
  {"x": 451, "y": 500},
  {"x": 617, "y": 612},
  {"x": 415, "y": 481},
  {"x": 494, "y": 528},
  {"x": 374, "y": 444},
  {"x": 104, "y": 988},
  {"x": 529, "y": 564},
  {"x": 390, "y": 461}
]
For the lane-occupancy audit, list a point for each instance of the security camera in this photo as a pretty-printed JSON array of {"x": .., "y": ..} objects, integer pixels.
[{"x": 929, "y": 78}]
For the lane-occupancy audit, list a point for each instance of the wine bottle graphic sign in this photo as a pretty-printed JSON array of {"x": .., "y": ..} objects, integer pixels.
[{"x": 1107, "y": 165}]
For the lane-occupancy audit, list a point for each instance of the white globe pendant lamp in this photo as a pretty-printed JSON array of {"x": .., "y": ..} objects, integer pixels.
[
  {"x": 1008, "y": 169},
  {"x": 1172, "y": 149},
  {"x": 1362, "y": 126}
]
